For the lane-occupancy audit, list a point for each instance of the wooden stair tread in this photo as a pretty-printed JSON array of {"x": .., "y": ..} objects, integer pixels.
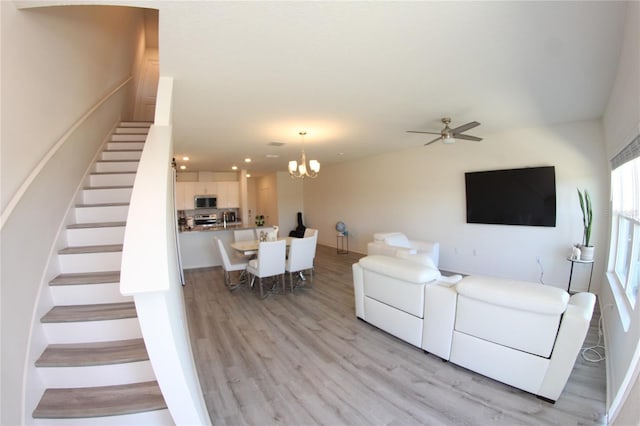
[
  {"x": 118, "y": 161},
  {"x": 100, "y": 401},
  {"x": 122, "y": 150},
  {"x": 102, "y": 205},
  {"x": 111, "y": 173},
  {"x": 93, "y": 188},
  {"x": 96, "y": 225},
  {"x": 135, "y": 124},
  {"x": 86, "y": 278},
  {"x": 108, "y": 248},
  {"x": 95, "y": 353},
  {"x": 97, "y": 312}
]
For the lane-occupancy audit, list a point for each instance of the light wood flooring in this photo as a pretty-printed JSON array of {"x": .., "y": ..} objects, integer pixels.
[{"x": 303, "y": 358}]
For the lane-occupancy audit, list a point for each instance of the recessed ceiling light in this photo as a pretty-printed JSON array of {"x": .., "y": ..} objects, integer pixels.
[
  {"x": 272, "y": 156},
  {"x": 185, "y": 158},
  {"x": 234, "y": 167},
  {"x": 275, "y": 143},
  {"x": 183, "y": 167},
  {"x": 247, "y": 160},
  {"x": 248, "y": 175}
]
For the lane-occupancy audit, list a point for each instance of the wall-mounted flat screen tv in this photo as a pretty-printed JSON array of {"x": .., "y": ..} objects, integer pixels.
[{"x": 524, "y": 196}]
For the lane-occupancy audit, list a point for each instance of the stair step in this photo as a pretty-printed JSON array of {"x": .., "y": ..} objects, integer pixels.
[
  {"x": 128, "y": 137},
  {"x": 125, "y": 145},
  {"x": 135, "y": 124},
  {"x": 95, "y": 213},
  {"x": 101, "y": 205},
  {"x": 104, "y": 179},
  {"x": 117, "y": 165},
  {"x": 91, "y": 249},
  {"x": 119, "y": 154},
  {"x": 96, "y": 225},
  {"x": 100, "y": 401},
  {"x": 94, "y": 353},
  {"x": 84, "y": 278},
  {"x": 99, "y": 312},
  {"x": 132, "y": 130},
  {"x": 107, "y": 194}
]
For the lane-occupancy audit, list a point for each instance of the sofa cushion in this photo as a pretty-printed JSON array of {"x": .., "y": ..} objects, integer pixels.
[
  {"x": 402, "y": 269},
  {"x": 380, "y": 236},
  {"x": 421, "y": 258},
  {"x": 515, "y": 294},
  {"x": 520, "y": 315},
  {"x": 398, "y": 240}
]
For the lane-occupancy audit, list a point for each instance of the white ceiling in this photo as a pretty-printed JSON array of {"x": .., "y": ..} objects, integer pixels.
[{"x": 357, "y": 75}]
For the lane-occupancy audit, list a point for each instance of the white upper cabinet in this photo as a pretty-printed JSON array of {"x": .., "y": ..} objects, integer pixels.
[
  {"x": 185, "y": 191},
  {"x": 227, "y": 194}
]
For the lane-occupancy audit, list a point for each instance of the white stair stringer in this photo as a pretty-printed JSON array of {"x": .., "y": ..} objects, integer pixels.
[{"x": 95, "y": 368}]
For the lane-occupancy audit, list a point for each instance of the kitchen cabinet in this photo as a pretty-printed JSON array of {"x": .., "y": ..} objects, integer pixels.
[
  {"x": 185, "y": 191},
  {"x": 228, "y": 195},
  {"x": 206, "y": 188}
]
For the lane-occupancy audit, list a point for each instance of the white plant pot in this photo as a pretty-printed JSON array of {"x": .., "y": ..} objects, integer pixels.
[{"x": 586, "y": 253}]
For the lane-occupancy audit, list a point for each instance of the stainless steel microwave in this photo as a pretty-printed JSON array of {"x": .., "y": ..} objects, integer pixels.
[{"x": 205, "y": 202}]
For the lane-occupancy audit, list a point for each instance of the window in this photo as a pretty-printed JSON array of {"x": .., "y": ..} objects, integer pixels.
[{"x": 625, "y": 238}]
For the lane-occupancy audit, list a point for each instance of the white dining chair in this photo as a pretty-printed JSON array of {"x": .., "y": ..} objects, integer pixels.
[
  {"x": 244, "y": 235},
  {"x": 269, "y": 263},
  {"x": 270, "y": 232},
  {"x": 230, "y": 264},
  {"x": 310, "y": 232},
  {"x": 301, "y": 254}
]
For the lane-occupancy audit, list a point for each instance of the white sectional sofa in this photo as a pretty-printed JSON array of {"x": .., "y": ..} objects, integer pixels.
[
  {"x": 527, "y": 335},
  {"x": 397, "y": 244}
]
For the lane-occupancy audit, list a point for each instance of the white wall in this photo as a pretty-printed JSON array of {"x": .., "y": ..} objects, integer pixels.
[
  {"x": 290, "y": 202},
  {"x": 421, "y": 192},
  {"x": 622, "y": 124},
  {"x": 57, "y": 63}
]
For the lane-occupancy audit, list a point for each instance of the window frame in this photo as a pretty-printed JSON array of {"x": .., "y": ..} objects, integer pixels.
[{"x": 624, "y": 255}]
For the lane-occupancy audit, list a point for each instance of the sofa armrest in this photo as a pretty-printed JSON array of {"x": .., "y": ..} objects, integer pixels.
[
  {"x": 427, "y": 247},
  {"x": 358, "y": 289},
  {"x": 571, "y": 335},
  {"x": 439, "y": 319}
]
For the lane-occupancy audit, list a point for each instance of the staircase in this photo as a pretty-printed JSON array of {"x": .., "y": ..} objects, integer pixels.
[{"x": 96, "y": 369}]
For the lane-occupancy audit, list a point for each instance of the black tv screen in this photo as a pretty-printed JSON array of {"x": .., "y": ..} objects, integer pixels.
[{"x": 512, "y": 197}]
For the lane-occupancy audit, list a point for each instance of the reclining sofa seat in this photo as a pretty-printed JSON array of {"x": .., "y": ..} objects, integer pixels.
[
  {"x": 389, "y": 294},
  {"x": 527, "y": 335}
]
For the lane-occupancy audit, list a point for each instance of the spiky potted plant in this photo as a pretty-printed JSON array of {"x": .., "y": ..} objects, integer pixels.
[{"x": 586, "y": 250}]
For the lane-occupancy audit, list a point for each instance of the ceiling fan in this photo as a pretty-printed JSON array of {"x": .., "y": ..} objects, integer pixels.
[{"x": 449, "y": 135}]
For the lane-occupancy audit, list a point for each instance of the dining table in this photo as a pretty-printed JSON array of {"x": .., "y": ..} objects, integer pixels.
[{"x": 250, "y": 247}]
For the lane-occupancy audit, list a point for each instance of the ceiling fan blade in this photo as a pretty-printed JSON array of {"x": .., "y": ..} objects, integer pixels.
[
  {"x": 418, "y": 131},
  {"x": 465, "y": 127},
  {"x": 435, "y": 140},
  {"x": 468, "y": 138}
]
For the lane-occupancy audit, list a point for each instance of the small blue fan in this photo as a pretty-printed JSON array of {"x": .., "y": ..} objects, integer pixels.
[{"x": 341, "y": 227}]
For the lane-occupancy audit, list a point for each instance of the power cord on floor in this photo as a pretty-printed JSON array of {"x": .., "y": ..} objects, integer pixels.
[{"x": 595, "y": 356}]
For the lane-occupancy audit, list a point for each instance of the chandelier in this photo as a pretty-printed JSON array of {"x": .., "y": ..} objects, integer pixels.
[{"x": 301, "y": 170}]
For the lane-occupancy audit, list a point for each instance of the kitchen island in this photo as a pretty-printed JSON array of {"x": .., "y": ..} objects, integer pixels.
[{"x": 196, "y": 244}]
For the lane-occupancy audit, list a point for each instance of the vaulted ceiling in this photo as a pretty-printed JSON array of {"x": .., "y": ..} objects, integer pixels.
[{"x": 356, "y": 75}]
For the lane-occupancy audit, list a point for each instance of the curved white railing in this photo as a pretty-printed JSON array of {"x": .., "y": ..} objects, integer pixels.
[{"x": 150, "y": 271}]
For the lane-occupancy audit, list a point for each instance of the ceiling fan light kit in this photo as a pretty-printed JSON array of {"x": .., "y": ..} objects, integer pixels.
[{"x": 449, "y": 135}]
